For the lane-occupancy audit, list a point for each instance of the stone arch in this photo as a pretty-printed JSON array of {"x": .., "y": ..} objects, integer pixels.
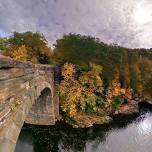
[
  {"x": 42, "y": 110},
  {"x": 12, "y": 126}
]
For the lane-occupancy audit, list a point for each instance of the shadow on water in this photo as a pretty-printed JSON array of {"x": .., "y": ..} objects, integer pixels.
[
  {"x": 144, "y": 107},
  {"x": 63, "y": 137},
  {"x": 125, "y": 133}
]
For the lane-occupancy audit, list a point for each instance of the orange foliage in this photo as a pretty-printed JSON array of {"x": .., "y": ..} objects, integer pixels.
[{"x": 116, "y": 90}]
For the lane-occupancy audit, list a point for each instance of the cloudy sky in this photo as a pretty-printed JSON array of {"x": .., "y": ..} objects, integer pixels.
[{"x": 125, "y": 22}]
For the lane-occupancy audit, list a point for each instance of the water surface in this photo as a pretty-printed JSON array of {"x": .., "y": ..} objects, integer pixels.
[{"x": 125, "y": 134}]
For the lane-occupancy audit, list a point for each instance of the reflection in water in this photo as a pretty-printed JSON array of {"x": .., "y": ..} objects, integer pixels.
[
  {"x": 145, "y": 127},
  {"x": 25, "y": 144},
  {"x": 124, "y": 134}
]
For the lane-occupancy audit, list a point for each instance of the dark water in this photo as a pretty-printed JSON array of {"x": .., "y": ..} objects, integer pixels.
[{"x": 125, "y": 134}]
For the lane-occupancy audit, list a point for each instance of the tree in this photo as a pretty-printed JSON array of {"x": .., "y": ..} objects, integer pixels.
[
  {"x": 126, "y": 65},
  {"x": 3, "y": 43},
  {"x": 35, "y": 43},
  {"x": 69, "y": 48},
  {"x": 18, "y": 53}
]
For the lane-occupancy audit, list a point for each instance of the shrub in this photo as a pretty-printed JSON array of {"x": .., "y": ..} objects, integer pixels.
[
  {"x": 117, "y": 102},
  {"x": 91, "y": 106},
  {"x": 100, "y": 101}
]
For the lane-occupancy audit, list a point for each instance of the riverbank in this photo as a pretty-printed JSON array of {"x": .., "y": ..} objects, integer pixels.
[{"x": 84, "y": 120}]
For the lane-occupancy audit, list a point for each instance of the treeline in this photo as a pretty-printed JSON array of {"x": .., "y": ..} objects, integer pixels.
[{"x": 131, "y": 67}]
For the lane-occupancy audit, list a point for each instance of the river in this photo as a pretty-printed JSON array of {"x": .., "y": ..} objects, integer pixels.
[{"x": 124, "y": 134}]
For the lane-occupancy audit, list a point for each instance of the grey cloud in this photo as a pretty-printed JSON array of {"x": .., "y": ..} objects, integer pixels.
[{"x": 110, "y": 20}]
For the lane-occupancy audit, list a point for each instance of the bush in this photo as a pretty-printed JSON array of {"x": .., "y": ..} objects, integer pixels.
[
  {"x": 117, "y": 101},
  {"x": 90, "y": 108},
  {"x": 100, "y": 101}
]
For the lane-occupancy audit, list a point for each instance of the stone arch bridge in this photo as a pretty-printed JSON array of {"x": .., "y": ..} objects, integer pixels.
[{"x": 28, "y": 93}]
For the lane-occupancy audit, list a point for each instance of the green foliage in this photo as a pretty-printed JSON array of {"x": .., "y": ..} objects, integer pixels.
[
  {"x": 117, "y": 102},
  {"x": 3, "y": 42},
  {"x": 91, "y": 106},
  {"x": 100, "y": 101},
  {"x": 81, "y": 69},
  {"x": 69, "y": 48}
]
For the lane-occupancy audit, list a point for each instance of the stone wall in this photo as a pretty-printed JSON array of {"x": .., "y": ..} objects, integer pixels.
[{"x": 27, "y": 92}]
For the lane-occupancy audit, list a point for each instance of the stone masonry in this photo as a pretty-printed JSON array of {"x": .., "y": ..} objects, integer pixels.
[{"x": 28, "y": 93}]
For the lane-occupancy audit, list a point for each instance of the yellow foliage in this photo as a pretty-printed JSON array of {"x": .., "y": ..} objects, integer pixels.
[
  {"x": 18, "y": 53},
  {"x": 116, "y": 90},
  {"x": 84, "y": 93},
  {"x": 92, "y": 78},
  {"x": 34, "y": 60},
  {"x": 96, "y": 69},
  {"x": 68, "y": 71},
  {"x": 74, "y": 93}
]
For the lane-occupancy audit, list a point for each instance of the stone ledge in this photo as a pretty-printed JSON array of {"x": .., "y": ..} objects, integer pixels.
[
  {"x": 7, "y": 146},
  {"x": 7, "y": 62}
]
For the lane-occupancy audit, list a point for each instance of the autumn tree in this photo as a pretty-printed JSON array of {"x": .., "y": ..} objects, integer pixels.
[
  {"x": 18, "y": 53},
  {"x": 70, "y": 90},
  {"x": 82, "y": 93},
  {"x": 35, "y": 43}
]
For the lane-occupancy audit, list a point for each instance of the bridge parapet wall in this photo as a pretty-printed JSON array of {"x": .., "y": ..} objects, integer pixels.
[{"x": 21, "y": 85}]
